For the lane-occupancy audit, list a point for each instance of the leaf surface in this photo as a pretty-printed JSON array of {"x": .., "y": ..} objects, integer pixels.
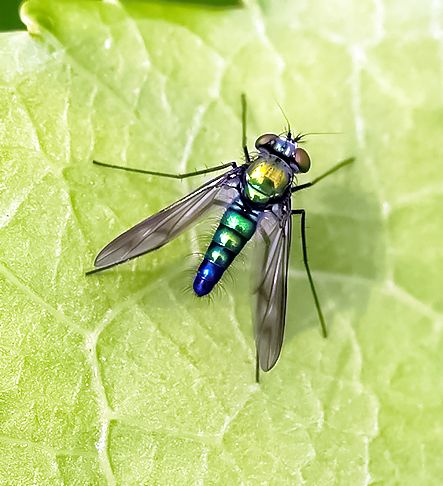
[{"x": 123, "y": 378}]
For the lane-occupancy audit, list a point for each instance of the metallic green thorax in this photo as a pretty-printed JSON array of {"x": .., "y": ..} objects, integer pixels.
[{"x": 267, "y": 178}]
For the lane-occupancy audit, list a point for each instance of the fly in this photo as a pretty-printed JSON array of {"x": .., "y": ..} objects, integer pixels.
[{"x": 256, "y": 197}]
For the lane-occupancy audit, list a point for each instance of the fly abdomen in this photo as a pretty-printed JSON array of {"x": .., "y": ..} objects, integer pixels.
[{"x": 235, "y": 229}]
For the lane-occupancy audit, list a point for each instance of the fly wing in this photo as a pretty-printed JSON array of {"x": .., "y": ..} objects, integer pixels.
[
  {"x": 162, "y": 227},
  {"x": 271, "y": 287}
]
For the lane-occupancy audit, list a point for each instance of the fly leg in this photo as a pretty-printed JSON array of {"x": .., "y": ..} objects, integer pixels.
[
  {"x": 244, "y": 112},
  {"x": 165, "y": 174},
  {"x": 257, "y": 368},
  {"x": 302, "y": 212},
  {"x": 336, "y": 167}
]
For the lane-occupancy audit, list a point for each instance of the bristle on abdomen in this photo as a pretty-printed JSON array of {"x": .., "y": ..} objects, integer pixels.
[{"x": 235, "y": 229}]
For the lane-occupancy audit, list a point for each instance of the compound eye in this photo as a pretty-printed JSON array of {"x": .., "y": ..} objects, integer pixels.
[
  {"x": 266, "y": 139},
  {"x": 302, "y": 159}
]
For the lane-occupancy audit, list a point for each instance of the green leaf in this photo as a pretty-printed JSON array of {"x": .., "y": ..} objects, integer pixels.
[
  {"x": 9, "y": 17},
  {"x": 122, "y": 378}
]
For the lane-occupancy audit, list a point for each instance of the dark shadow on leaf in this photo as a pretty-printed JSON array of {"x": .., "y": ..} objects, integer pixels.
[
  {"x": 205, "y": 3},
  {"x": 9, "y": 16}
]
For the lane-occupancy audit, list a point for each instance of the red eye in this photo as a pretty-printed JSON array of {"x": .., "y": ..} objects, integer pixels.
[
  {"x": 265, "y": 139},
  {"x": 302, "y": 160}
]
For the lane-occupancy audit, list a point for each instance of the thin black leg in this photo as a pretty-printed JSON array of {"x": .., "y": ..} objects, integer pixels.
[
  {"x": 244, "y": 112},
  {"x": 308, "y": 271},
  {"x": 165, "y": 174},
  {"x": 337, "y": 167},
  {"x": 247, "y": 157},
  {"x": 257, "y": 368}
]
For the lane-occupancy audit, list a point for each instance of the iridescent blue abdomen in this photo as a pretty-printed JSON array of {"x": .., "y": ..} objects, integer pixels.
[{"x": 235, "y": 229}]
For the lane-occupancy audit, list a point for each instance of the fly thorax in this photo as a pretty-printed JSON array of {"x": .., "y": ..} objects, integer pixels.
[{"x": 267, "y": 178}]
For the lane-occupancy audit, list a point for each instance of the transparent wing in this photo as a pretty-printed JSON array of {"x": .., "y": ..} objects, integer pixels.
[
  {"x": 271, "y": 287},
  {"x": 158, "y": 229}
]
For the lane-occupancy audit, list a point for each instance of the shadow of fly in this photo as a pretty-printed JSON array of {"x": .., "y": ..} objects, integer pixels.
[{"x": 257, "y": 199}]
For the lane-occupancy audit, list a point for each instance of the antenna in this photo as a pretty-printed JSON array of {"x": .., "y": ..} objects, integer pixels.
[
  {"x": 286, "y": 118},
  {"x": 300, "y": 136}
]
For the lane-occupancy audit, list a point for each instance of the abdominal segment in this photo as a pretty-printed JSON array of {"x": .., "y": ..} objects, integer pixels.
[{"x": 235, "y": 229}]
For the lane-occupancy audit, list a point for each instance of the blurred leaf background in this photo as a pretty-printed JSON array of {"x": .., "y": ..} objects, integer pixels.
[{"x": 123, "y": 378}]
